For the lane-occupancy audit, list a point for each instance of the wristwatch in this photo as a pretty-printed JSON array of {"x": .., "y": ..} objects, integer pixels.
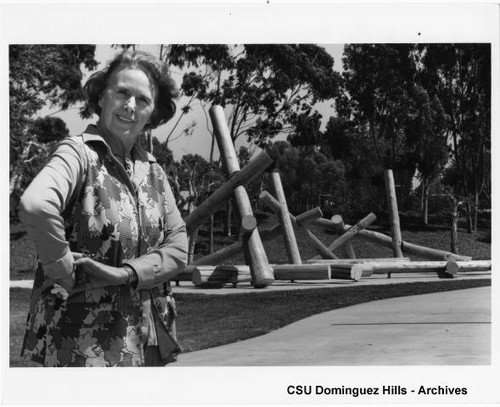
[{"x": 132, "y": 275}]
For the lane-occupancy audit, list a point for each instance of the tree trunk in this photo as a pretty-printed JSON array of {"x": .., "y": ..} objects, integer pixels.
[
  {"x": 211, "y": 235},
  {"x": 470, "y": 226},
  {"x": 425, "y": 194},
  {"x": 422, "y": 197},
  {"x": 454, "y": 233},
  {"x": 455, "y": 213},
  {"x": 476, "y": 211}
]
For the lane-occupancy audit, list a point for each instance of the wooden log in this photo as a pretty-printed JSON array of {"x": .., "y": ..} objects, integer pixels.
[
  {"x": 255, "y": 254},
  {"x": 453, "y": 266},
  {"x": 210, "y": 205},
  {"x": 353, "y": 231},
  {"x": 408, "y": 267},
  {"x": 347, "y": 247},
  {"x": 324, "y": 251},
  {"x": 386, "y": 241},
  {"x": 392, "y": 204},
  {"x": 289, "y": 240},
  {"x": 301, "y": 220},
  {"x": 184, "y": 275},
  {"x": 248, "y": 223},
  {"x": 334, "y": 262},
  {"x": 275, "y": 206},
  {"x": 352, "y": 271},
  {"x": 267, "y": 234},
  {"x": 301, "y": 271},
  {"x": 218, "y": 276},
  {"x": 308, "y": 216}
]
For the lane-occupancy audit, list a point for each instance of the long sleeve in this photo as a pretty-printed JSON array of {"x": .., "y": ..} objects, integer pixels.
[
  {"x": 166, "y": 261},
  {"x": 42, "y": 204}
]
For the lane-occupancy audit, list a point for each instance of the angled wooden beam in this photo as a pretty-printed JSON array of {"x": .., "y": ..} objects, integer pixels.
[
  {"x": 210, "y": 205},
  {"x": 275, "y": 206},
  {"x": 348, "y": 249},
  {"x": 289, "y": 240},
  {"x": 255, "y": 254},
  {"x": 386, "y": 241}
]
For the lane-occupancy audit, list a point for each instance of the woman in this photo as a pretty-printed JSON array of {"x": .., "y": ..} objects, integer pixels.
[{"x": 108, "y": 234}]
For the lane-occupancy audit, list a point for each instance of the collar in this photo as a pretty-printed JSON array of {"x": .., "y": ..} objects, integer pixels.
[{"x": 91, "y": 135}]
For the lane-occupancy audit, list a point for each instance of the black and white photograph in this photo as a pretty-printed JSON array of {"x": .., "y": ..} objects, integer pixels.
[{"x": 261, "y": 209}]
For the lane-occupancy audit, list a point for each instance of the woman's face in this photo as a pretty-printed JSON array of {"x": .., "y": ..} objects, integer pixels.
[{"x": 127, "y": 104}]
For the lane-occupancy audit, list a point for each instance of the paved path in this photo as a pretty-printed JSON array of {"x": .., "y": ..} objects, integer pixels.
[{"x": 446, "y": 328}]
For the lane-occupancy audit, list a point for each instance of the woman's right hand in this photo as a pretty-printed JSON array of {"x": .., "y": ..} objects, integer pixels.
[{"x": 97, "y": 275}]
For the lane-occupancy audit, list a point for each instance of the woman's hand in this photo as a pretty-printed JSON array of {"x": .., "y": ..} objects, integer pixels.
[{"x": 99, "y": 275}]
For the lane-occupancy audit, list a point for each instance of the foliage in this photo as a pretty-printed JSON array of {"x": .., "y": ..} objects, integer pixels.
[
  {"x": 460, "y": 76},
  {"x": 309, "y": 178},
  {"x": 194, "y": 179},
  {"x": 378, "y": 82},
  {"x": 266, "y": 89},
  {"x": 39, "y": 76}
]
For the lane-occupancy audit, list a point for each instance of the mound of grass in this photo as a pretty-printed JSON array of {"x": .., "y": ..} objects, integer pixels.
[{"x": 206, "y": 321}]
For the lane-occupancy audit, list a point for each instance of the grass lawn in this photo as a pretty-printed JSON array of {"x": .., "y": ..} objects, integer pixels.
[
  {"x": 210, "y": 320},
  {"x": 206, "y": 321}
]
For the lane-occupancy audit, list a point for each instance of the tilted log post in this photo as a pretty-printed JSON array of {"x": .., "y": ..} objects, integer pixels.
[
  {"x": 266, "y": 234},
  {"x": 292, "y": 249},
  {"x": 386, "y": 241},
  {"x": 210, "y": 205},
  {"x": 352, "y": 231},
  {"x": 253, "y": 248},
  {"x": 348, "y": 250},
  {"x": 275, "y": 206},
  {"x": 392, "y": 206}
]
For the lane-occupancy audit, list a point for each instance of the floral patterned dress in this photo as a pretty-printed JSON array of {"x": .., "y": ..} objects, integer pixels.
[{"x": 97, "y": 209}]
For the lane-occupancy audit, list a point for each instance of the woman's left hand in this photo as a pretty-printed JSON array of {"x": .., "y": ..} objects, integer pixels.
[{"x": 99, "y": 275}]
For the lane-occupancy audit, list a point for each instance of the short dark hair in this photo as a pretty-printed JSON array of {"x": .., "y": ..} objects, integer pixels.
[{"x": 156, "y": 71}]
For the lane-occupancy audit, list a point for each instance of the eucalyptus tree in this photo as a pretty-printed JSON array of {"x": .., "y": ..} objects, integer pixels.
[
  {"x": 40, "y": 76},
  {"x": 266, "y": 89},
  {"x": 460, "y": 75},
  {"x": 378, "y": 87}
]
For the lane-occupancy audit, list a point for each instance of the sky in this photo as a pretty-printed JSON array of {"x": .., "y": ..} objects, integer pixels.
[{"x": 199, "y": 141}]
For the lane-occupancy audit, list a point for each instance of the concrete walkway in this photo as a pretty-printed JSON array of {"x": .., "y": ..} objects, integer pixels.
[{"x": 446, "y": 328}]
